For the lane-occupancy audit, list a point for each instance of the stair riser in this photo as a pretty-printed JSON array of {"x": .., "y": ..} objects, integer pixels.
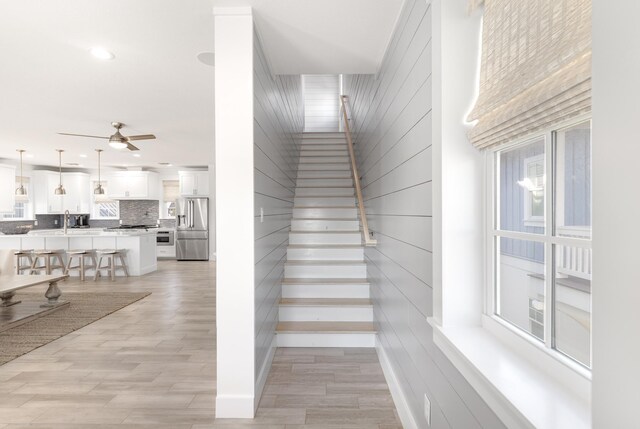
[
  {"x": 328, "y": 213},
  {"x": 325, "y": 238},
  {"x": 343, "y": 166},
  {"x": 323, "y": 174},
  {"x": 325, "y": 291},
  {"x": 325, "y": 271},
  {"x": 305, "y": 153},
  {"x": 325, "y": 225},
  {"x": 323, "y": 159},
  {"x": 326, "y": 340},
  {"x": 325, "y": 314},
  {"x": 318, "y": 254},
  {"x": 324, "y": 140},
  {"x": 324, "y": 183},
  {"x": 324, "y": 202},
  {"x": 324, "y": 146},
  {"x": 334, "y": 192}
]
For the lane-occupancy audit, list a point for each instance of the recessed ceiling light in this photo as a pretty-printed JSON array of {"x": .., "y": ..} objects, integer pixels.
[
  {"x": 73, "y": 164},
  {"x": 165, "y": 164},
  {"x": 207, "y": 58},
  {"x": 101, "y": 53},
  {"x": 136, "y": 155},
  {"x": 82, "y": 155}
]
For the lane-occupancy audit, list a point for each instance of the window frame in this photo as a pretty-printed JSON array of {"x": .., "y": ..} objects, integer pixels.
[{"x": 548, "y": 238}]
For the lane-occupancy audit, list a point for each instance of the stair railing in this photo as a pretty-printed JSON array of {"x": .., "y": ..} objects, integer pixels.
[{"x": 368, "y": 241}]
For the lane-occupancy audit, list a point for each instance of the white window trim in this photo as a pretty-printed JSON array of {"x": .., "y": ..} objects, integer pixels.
[{"x": 525, "y": 383}]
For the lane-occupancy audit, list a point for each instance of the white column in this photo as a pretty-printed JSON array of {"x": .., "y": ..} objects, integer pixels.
[
  {"x": 458, "y": 226},
  {"x": 234, "y": 212},
  {"x": 616, "y": 214}
]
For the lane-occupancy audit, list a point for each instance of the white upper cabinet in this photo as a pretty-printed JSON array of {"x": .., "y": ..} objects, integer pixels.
[
  {"x": 7, "y": 188},
  {"x": 194, "y": 183},
  {"x": 133, "y": 185},
  {"x": 77, "y": 198}
]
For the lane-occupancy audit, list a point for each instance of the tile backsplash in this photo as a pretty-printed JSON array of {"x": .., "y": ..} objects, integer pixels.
[{"x": 139, "y": 212}]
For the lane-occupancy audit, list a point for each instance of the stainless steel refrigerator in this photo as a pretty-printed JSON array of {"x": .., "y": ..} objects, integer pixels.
[{"x": 192, "y": 229}]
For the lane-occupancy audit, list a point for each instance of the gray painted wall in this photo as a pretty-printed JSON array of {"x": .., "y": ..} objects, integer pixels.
[
  {"x": 391, "y": 118},
  {"x": 278, "y": 122}
]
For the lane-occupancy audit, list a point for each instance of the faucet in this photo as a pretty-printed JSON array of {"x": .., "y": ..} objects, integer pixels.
[{"x": 66, "y": 221}]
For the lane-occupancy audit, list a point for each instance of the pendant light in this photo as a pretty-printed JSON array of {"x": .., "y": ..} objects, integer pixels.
[
  {"x": 99, "y": 190},
  {"x": 21, "y": 191},
  {"x": 60, "y": 189}
]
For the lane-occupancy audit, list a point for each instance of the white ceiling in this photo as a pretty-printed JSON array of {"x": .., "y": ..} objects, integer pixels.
[
  {"x": 50, "y": 83},
  {"x": 323, "y": 36}
]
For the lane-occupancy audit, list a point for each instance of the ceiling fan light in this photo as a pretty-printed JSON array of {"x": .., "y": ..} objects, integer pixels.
[{"x": 118, "y": 145}]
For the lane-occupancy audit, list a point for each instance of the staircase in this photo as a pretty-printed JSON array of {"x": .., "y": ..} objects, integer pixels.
[{"x": 325, "y": 294}]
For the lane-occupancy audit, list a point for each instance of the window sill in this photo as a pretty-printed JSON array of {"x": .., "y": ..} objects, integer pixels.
[{"x": 520, "y": 386}]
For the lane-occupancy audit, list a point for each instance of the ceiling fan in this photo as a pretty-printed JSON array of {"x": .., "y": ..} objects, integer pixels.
[{"x": 117, "y": 140}]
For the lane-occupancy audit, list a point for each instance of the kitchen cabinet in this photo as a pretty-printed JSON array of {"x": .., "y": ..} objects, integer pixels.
[
  {"x": 77, "y": 198},
  {"x": 133, "y": 185},
  {"x": 45, "y": 201},
  {"x": 7, "y": 188},
  {"x": 194, "y": 183}
]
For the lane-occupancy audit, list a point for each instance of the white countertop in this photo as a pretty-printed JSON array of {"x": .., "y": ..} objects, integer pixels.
[{"x": 89, "y": 232}]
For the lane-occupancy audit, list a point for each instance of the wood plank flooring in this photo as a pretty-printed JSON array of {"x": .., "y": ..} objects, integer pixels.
[{"x": 152, "y": 365}]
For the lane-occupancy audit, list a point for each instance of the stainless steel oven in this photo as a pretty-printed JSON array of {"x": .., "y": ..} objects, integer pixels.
[{"x": 165, "y": 237}]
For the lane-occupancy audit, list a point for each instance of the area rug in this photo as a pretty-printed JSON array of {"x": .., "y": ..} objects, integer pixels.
[{"x": 83, "y": 309}]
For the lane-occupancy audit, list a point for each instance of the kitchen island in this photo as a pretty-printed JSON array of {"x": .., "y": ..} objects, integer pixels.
[{"x": 140, "y": 244}]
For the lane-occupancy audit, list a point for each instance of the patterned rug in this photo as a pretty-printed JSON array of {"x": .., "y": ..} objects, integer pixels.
[{"x": 83, "y": 309}]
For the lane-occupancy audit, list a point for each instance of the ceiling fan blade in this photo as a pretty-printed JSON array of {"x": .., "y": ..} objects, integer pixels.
[
  {"x": 131, "y": 147},
  {"x": 141, "y": 137},
  {"x": 83, "y": 135}
]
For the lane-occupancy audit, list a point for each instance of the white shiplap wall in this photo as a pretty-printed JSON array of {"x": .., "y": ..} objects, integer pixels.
[
  {"x": 278, "y": 122},
  {"x": 391, "y": 119},
  {"x": 321, "y": 103}
]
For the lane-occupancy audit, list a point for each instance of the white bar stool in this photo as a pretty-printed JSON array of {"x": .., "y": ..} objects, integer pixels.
[
  {"x": 112, "y": 256},
  {"x": 82, "y": 267},
  {"x": 21, "y": 264},
  {"x": 49, "y": 258}
]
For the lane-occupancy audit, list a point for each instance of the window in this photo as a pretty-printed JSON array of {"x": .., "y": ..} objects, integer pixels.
[
  {"x": 170, "y": 193},
  {"x": 103, "y": 207},
  {"x": 541, "y": 238},
  {"x": 21, "y": 209}
]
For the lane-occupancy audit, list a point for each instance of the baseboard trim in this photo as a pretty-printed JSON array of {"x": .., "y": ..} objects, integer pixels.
[
  {"x": 399, "y": 398},
  {"x": 264, "y": 371},
  {"x": 235, "y": 407}
]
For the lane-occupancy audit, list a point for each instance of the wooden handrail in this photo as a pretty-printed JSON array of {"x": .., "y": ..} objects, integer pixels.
[{"x": 368, "y": 241}]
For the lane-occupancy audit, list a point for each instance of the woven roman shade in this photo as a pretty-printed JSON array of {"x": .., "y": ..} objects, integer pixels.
[
  {"x": 170, "y": 190},
  {"x": 535, "y": 67}
]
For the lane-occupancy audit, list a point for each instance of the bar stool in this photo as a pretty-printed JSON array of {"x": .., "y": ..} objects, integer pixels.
[
  {"x": 48, "y": 257},
  {"x": 112, "y": 256},
  {"x": 20, "y": 256},
  {"x": 82, "y": 267}
]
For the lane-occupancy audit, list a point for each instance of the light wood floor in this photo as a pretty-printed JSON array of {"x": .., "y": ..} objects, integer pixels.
[{"x": 152, "y": 365}]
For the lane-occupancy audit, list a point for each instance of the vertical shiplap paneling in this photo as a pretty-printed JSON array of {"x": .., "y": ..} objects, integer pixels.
[
  {"x": 391, "y": 121},
  {"x": 321, "y": 103},
  {"x": 278, "y": 122}
]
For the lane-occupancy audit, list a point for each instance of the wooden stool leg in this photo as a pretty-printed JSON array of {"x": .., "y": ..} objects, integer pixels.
[
  {"x": 112, "y": 265},
  {"x": 124, "y": 265},
  {"x": 33, "y": 265},
  {"x": 81, "y": 268},
  {"x": 47, "y": 264},
  {"x": 66, "y": 269},
  {"x": 18, "y": 264},
  {"x": 95, "y": 277}
]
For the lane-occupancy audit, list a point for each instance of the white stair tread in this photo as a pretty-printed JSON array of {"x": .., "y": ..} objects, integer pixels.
[
  {"x": 320, "y": 207},
  {"x": 326, "y": 246},
  {"x": 326, "y": 327},
  {"x": 308, "y": 281},
  {"x": 338, "y": 262},
  {"x": 326, "y": 302}
]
